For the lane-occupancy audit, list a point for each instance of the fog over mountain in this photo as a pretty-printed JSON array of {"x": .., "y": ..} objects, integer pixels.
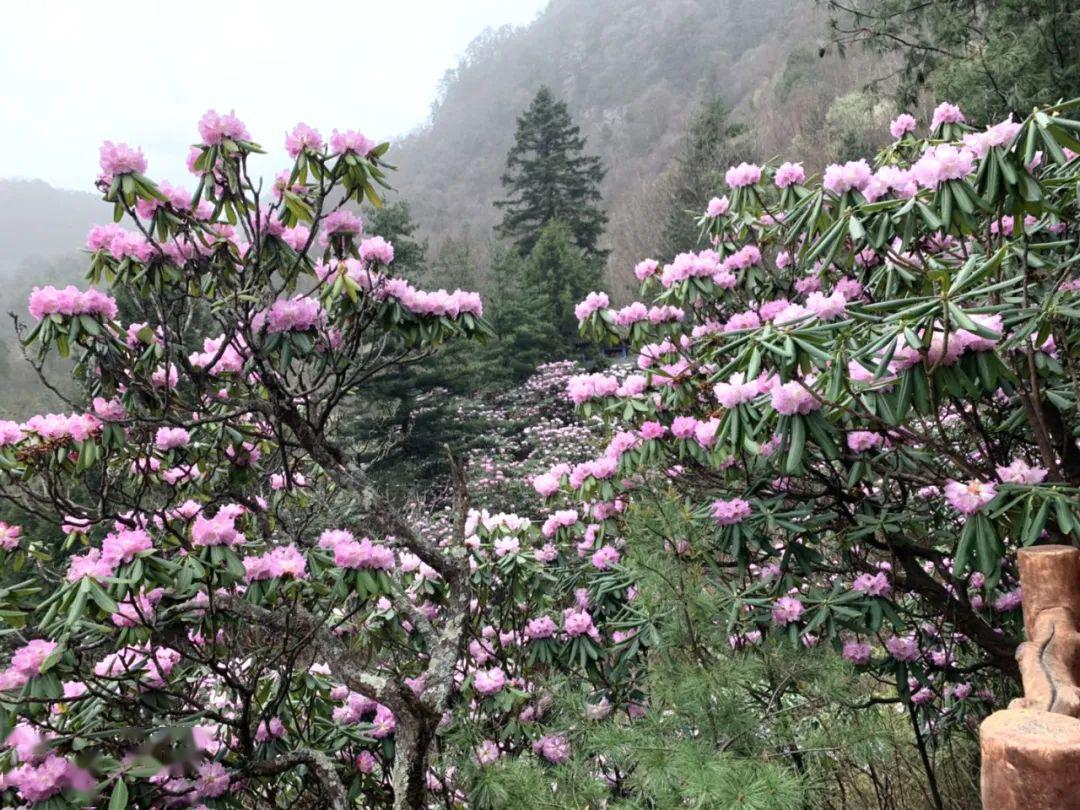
[{"x": 634, "y": 74}]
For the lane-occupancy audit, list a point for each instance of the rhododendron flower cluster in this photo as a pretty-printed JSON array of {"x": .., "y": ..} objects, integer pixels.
[
  {"x": 351, "y": 141},
  {"x": 848, "y": 404},
  {"x": 745, "y": 174},
  {"x": 867, "y": 425},
  {"x": 969, "y": 497},
  {"x": 70, "y": 301},
  {"x": 215, "y": 127},
  {"x": 119, "y": 158},
  {"x": 855, "y": 174}
]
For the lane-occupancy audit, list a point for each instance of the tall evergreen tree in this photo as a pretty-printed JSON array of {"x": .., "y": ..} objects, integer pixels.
[
  {"x": 401, "y": 425},
  {"x": 522, "y": 319},
  {"x": 395, "y": 224},
  {"x": 559, "y": 274},
  {"x": 548, "y": 177},
  {"x": 711, "y": 144}
]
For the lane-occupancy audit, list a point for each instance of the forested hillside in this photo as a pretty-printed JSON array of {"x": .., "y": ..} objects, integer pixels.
[
  {"x": 635, "y": 74},
  {"x": 632, "y": 71}
]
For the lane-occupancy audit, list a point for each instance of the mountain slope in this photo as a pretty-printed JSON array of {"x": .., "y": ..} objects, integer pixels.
[{"x": 633, "y": 73}]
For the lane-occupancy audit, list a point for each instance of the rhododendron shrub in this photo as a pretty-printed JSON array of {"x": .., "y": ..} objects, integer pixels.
[
  {"x": 868, "y": 401},
  {"x": 237, "y": 617}
]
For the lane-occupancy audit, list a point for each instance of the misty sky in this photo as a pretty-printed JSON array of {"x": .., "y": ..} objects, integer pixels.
[{"x": 77, "y": 72}]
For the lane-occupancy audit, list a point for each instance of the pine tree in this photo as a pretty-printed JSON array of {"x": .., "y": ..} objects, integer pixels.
[
  {"x": 522, "y": 317},
  {"x": 395, "y": 224},
  {"x": 560, "y": 274},
  {"x": 548, "y": 177},
  {"x": 710, "y": 146},
  {"x": 402, "y": 424}
]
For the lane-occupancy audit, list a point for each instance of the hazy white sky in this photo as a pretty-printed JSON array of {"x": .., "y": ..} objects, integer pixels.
[{"x": 77, "y": 72}]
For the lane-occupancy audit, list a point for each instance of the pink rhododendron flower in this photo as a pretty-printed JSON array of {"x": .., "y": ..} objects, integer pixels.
[
  {"x": 859, "y": 441},
  {"x": 121, "y": 546},
  {"x": 825, "y": 307},
  {"x": 857, "y": 653},
  {"x": 745, "y": 174},
  {"x": 1000, "y": 134},
  {"x": 605, "y": 557},
  {"x": 873, "y": 584},
  {"x": 169, "y": 438},
  {"x": 542, "y": 627},
  {"x": 946, "y": 113},
  {"x": 593, "y": 302},
  {"x": 902, "y": 649},
  {"x": 1019, "y": 472},
  {"x": 137, "y": 610},
  {"x": 583, "y": 387},
  {"x": 718, "y": 206},
  {"x": 384, "y": 723},
  {"x": 89, "y": 564},
  {"x": 351, "y": 141},
  {"x": 969, "y": 497},
  {"x": 303, "y": 137},
  {"x": 853, "y": 175},
  {"x": 9, "y": 536},
  {"x": 109, "y": 410},
  {"x": 785, "y": 610},
  {"x": 793, "y": 398},
  {"x": 579, "y": 623},
  {"x": 214, "y": 128},
  {"x": 119, "y": 158},
  {"x": 901, "y": 125},
  {"x": 375, "y": 249},
  {"x": 941, "y": 163},
  {"x": 789, "y": 174},
  {"x": 683, "y": 427},
  {"x": 730, "y": 512},
  {"x": 361, "y": 554},
  {"x": 1009, "y": 601},
  {"x": 27, "y": 659},
  {"x": 646, "y": 268},
  {"x": 295, "y": 315},
  {"x": 489, "y": 681},
  {"x": 41, "y": 780},
  {"x": 283, "y": 561},
  {"x": 70, "y": 301},
  {"x": 553, "y": 747},
  {"x": 213, "y": 780},
  {"x": 487, "y": 752},
  {"x": 219, "y": 530}
]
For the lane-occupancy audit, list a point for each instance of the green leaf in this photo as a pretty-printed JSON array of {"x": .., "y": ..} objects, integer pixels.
[
  {"x": 964, "y": 548},
  {"x": 796, "y": 446},
  {"x": 119, "y": 798}
]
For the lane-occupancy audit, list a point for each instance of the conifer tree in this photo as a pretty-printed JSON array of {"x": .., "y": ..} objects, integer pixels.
[
  {"x": 558, "y": 273},
  {"x": 395, "y": 224},
  {"x": 549, "y": 177},
  {"x": 711, "y": 144}
]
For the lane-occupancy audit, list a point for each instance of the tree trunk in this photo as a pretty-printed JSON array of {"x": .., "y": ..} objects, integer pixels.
[{"x": 412, "y": 744}]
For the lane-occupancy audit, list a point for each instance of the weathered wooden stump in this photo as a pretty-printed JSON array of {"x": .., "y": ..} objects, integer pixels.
[{"x": 1031, "y": 751}]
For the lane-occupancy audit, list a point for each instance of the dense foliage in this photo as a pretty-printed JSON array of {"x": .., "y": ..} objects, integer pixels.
[
  {"x": 237, "y": 615},
  {"x": 996, "y": 57},
  {"x": 779, "y": 540},
  {"x": 866, "y": 388}
]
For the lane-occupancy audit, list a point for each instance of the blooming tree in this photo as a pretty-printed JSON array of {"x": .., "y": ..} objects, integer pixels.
[
  {"x": 864, "y": 394},
  {"x": 237, "y": 615}
]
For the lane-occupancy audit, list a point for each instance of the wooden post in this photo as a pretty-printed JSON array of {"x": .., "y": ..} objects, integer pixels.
[{"x": 1031, "y": 751}]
